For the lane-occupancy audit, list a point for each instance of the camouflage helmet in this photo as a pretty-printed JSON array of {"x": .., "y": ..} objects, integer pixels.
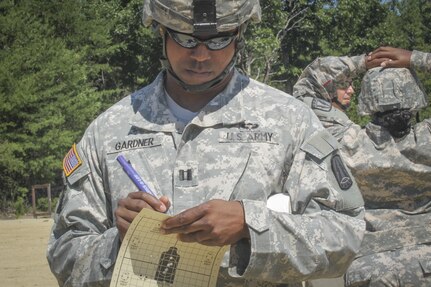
[
  {"x": 201, "y": 16},
  {"x": 324, "y": 75},
  {"x": 390, "y": 89}
]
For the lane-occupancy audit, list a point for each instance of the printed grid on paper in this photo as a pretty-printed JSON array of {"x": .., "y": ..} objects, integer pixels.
[{"x": 195, "y": 263}]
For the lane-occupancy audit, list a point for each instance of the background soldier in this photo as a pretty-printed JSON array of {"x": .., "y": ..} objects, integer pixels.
[{"x": 390, "y": 159}]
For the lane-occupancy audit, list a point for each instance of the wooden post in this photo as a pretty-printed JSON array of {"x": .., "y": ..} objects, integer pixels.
[
  {"x": 46, "y": 187},
  {"x": 33, "y": 200},
  {"x": 49, "y": 199}
]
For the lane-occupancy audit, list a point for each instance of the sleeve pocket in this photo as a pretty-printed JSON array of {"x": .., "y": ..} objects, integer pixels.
[
  {"x": 320, "y": 145},
  {"x": 426, "y": 266}
]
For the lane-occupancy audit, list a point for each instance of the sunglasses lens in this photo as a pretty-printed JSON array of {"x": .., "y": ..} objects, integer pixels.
[
  {"x": 219, "y": 42},
  {"x": 189, "y": 42},
  {"x": 344, "y": 85},
  {"x": 183, "y": 40}
]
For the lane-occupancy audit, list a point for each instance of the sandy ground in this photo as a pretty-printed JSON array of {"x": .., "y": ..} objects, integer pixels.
[
  {"x": 22, "y": 247},
  {"x": 23, "y": 262}
]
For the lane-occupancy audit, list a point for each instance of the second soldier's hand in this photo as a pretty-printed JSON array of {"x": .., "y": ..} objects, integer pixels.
[
  {"x": 129, "y": 207},
  {"x": 214, "y": 223},
  {"x": 389, "y": 57}
]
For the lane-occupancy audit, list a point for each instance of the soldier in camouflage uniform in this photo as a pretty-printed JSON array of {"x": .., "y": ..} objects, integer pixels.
[
  {"x": 390, "y": 159},
  {"x": 214, "y": 147}
]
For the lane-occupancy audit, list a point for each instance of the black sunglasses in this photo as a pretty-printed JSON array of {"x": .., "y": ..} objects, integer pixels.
[{"x": 190, "y": 42}]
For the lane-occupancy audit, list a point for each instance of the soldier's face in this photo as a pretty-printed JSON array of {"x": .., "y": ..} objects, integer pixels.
[
  {"x": 344, "y": 95},
  {"x": 198, "y": 65}
]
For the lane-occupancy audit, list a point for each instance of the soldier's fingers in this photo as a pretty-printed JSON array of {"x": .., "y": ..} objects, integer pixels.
[
  {"x": 185, "y": 229},
  {"x": 165, "y": 200},
  {"x": 139, "y": 200},
  {"x": 375, "y": 62},
  {"x": 381, "y": 51},
  {"x": 124, "y": 214},
  {"x": 201, "y": 237},
  {"x": 194, "y": 237},
  {"x": 184, "y": 218},
  {"x": 388, "y": 64},
  {"x": 122, "y": 226}
]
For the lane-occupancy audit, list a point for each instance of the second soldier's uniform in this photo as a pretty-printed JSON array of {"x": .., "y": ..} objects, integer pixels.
[
  {"x": 421, "y": 61},
  {"x": 394, "y": 174}
]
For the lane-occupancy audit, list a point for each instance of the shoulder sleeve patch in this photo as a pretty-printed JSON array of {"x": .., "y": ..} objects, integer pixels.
[
  {"x": 71, "y": 161},
  {"x": 340, "y": 172}
]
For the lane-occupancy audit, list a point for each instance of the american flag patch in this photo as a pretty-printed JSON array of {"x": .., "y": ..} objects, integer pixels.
[{"x": 71, "y": 161}]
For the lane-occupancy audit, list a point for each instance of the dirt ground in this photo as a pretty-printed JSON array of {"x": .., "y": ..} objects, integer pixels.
[
  {"x": 23, "y": 262},
  {"x": 22, "y": 247}
]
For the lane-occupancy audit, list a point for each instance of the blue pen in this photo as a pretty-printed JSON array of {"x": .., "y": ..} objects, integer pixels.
[{"x": 134, "y": 176}]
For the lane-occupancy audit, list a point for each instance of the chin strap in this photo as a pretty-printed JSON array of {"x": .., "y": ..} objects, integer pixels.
[
  {"x": 204, "y": 86},
  {"x": 343, "y": 107}
]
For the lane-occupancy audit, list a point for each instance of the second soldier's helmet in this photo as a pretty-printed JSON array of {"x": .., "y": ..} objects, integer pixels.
[
  {"x": 387, "y": 89},
  {"x": 201, "y": 17},
  {"x": 323, "y": 76}
]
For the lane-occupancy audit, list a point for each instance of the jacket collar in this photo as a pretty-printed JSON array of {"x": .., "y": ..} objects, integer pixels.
[{"x": 152, "y": 113}]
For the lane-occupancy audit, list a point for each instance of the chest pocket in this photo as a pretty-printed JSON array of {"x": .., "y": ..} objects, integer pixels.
[
  {"x": 240, "y": 171},
  {"x": 148, "y": 154},
  {"x": 225, "y": 164}
]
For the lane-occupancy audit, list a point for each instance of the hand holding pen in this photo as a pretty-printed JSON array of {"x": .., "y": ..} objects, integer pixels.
[{"x": 130, "y": 206}]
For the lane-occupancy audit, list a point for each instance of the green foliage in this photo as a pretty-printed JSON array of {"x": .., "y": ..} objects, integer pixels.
[
  {"x": 42, "y": 204},
  {"x": 20, "y": 207},
  {"x": 63, "y": 62},
  {"x": 40, "y": 82}
]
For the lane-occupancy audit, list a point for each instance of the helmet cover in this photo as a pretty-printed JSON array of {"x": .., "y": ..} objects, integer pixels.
[
  {"x": 181, "y": 15},
  {"x": 386, "y": 89},
  {"x": 323, "y": 76}
]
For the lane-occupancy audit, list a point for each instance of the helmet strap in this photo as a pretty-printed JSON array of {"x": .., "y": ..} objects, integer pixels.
[
  {"x": 337, "y": 102},
  {"x": 204, "y": 86}
]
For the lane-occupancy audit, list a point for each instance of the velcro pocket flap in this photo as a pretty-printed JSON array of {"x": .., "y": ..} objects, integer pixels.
[{"x": 320, "y": 145}]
